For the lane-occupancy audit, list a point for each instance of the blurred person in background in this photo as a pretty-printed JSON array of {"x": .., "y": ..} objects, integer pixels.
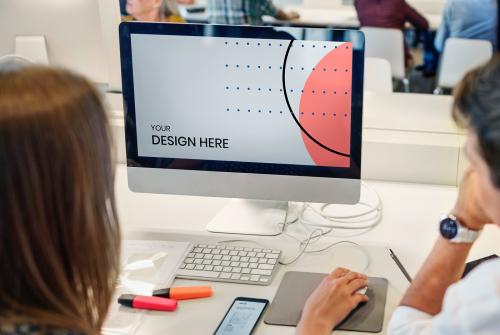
[{"x": 152, "y": 11}]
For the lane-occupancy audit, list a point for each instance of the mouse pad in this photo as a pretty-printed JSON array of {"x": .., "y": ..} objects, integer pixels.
[{"x": 296, "y": 287}]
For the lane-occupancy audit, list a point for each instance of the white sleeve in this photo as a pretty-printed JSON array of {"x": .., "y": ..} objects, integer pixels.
[{"x": 471, "y": 306}]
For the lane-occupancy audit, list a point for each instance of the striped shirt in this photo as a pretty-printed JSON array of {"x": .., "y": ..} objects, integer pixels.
[{"x": 239, "y": 12}]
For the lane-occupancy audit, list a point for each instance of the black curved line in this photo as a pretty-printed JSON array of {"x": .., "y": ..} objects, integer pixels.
[{"x": 293, "y": 115}]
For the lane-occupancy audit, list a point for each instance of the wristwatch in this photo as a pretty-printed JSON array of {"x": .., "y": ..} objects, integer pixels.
[{"x": 452, "y": 230}]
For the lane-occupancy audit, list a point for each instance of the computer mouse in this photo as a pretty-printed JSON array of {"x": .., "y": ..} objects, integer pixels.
[{"x": 363, "y": 290}]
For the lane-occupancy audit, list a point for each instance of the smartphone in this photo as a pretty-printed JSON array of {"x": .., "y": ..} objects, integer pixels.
[
  {"x": 242, "y": 317},
  {"x": 472, "y": 264}
]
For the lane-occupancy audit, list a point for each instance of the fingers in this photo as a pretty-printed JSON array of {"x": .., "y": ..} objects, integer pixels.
[
  {"x": 358, "y": 298},
  {"x": 357, "y": 284},
  {"x": 339, "y": 272},
  {"x": 355, "y": 275}
]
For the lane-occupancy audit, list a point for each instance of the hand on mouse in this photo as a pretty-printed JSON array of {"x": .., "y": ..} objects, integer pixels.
[{"x": 332, "y": 301}]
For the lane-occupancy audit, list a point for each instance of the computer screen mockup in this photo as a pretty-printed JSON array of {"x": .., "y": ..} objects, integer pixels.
[{"x": 245, "y": 112}]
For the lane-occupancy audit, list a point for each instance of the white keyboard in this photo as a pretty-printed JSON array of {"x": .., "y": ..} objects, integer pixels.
[{"x": 230, "y": 264}]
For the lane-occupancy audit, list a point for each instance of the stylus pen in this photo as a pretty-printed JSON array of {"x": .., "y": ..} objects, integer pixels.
[{"x": 400, "y": 266}]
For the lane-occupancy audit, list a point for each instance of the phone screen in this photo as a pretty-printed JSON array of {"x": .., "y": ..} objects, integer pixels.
[{"x": 241, "y": 317}]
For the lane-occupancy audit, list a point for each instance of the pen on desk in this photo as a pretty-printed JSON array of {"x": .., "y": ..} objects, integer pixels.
[{"x": 399, "y": 264}]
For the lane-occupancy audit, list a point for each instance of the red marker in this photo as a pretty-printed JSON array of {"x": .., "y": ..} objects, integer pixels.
[{"x": 149, "y": 303}]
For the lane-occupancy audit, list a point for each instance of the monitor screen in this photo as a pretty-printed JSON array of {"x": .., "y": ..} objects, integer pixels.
[{"x": 243, "y": 99}]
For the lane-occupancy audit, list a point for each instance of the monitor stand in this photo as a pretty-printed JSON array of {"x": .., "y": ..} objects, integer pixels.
[{"x": 250, "y": 217}]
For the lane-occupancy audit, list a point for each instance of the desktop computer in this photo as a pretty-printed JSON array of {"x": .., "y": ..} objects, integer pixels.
[
  {"x": 272, "y": 114},
  {"x": 261, "y": 113}
]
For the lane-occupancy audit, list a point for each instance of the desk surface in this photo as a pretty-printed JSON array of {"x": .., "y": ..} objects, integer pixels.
[
  {"x": 340, "y": 17},
  {"x": 409, "y": 227}
]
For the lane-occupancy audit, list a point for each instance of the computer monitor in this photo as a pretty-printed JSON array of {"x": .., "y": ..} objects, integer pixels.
[
  {"x": 247, "y": 112},
  {"x": 72, "y": 31}
]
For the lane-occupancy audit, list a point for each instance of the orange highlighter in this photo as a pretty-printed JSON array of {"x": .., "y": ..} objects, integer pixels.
[{"x": 184, "y": 293}]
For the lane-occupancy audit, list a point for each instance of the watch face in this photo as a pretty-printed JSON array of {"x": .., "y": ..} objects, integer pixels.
[{"x": 449, "y": 228}]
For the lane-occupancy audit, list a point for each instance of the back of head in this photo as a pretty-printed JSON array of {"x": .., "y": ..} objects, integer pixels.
[
  {"x": 477, "y": 106},
  {"x": 59, "y": 239}
]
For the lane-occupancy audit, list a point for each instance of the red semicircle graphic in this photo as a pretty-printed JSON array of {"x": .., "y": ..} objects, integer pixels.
[{"x": 325, "y": 108}]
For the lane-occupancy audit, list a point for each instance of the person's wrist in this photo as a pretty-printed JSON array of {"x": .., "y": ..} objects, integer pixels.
[
  {"x": 468, "y": 221},
  {"x": 314, "y": 326}
]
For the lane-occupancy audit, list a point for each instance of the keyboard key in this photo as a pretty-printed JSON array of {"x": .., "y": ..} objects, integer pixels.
[
  {"x": 198, "y": 255},
  {"x": 220, "y": 247},
  {"x": 217, "y": 262},
  {"x": 245, "y": 270},
  {"x": 263, "y": 260},
  {"x": 255, "y": 278},
  {"x": 209, "y": 268},
  {"x": 198, "y": 261},
  {"x": 215, "y": 251},
  {"x": 207, "y": 262},
  {"x": 188, "y": 260},
  {"x": 275, "y": 251},
  {"x": 196, "y": 250},
  {"x": 271, "y": 261},
  {"x": 242, "y": 253},
  {"x": 267, "y": 250},
  {"x": 272, "y": 255},
  {"x": 191, "y": 267},
  {"x": 224, "y": 252},
  {"x": 207, "y": 251},
  {"x": 235, "y": 276},
  {"x": 244, "y": 265},
  {"x": 208, "y": 256},
  {"x": 198, "y": 267},
  {"x": 226, "y": 258},
  {"x": 253, "y": 260},
  {"x": 246, "y": 278},
  {"x": 265, "y": 279},
  {"x": 227, "y": 269},
  {"x": 261, "y": 272},
  {"x": 210, "y": 246},
  {"x": 182, "y": 266},
  {"x": 202, "y": 274},
  {"x": 253, "y": 265},
  {"x": 218, "y": 268},
  {"x": 201, "y": 245},
  {"x": 244, "y": 259},
  {"x": 261, "y": 254},
  {"x": 217, "y": 257},
  {"x": 235, "y": 258},
  {"x": 247, "y": 249},
  {"x": 225, "y": 263},
  {"x": 237, "y": 270},
  {"x": 265, "y": 267},
  {"x": 235, "y": 264},
  {"x": 225, "y": 275},
  {"x": 228, "y": 247},
  {"x": 233, "y": 253},
  {"x": 238, "y": 248},
  {"x": 252, "y": 254},
  {"x": 190, "y": 255}
]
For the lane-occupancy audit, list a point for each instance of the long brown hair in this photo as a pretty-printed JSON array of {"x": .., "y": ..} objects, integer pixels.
[{"x": 59, "y": 236}]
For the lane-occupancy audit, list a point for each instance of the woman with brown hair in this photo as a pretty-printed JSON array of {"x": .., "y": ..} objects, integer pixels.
[{"x": 59, "y": 235}]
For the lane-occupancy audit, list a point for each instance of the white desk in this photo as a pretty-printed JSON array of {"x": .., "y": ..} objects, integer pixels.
[
  {"x": 338, "y": 17},
  {"x": 409, "y": 227}
]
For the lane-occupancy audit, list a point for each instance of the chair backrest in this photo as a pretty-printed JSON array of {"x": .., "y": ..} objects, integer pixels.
[
  {"x": 459, "y": 56},
  {"x": 378, "y": 77},
  {"x": 387, "y": 44}
]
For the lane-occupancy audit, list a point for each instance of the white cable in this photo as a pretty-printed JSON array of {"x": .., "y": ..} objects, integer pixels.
[{"x": 362, "y": 220}]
